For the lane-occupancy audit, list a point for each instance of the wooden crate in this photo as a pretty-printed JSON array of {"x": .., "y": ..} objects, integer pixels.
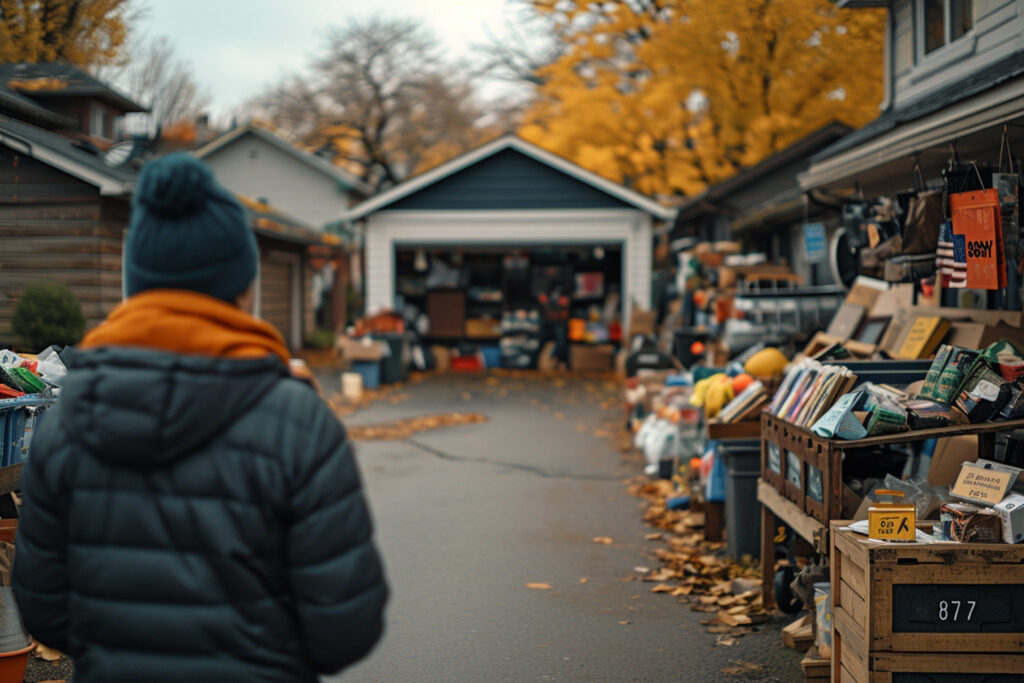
[
  {"x": 747, "y": 429},
  {"x": 805, "y": 468},
  {"x": 808, "y": 469},
  {"x": 912, "y": 605},
  {"x": 850, "y": 665}
]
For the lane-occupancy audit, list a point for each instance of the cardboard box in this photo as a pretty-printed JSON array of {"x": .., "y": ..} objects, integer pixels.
[
  {"x": 642, "y": 322},
  {"x": 888, "y": 303},
  {"x": 972, "y": 335},
  {"x": 949, "y": 456},
  {"x": 972, "y": 524},
  {"x": 442, "y": 358},
  {"x": 477, "y": 328},
  {"x": 587, "y": 357},
  {"x": 865, "y": 292},
  {"x": 1011, "y": 509},
  {"x": 357, "y": 350},
  {"x": 1005, "y": 324}
]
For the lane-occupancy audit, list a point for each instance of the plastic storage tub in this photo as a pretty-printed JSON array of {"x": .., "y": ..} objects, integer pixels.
[
  {"x": 492, "y": 355},
  {"x": 370, "y": 371}
]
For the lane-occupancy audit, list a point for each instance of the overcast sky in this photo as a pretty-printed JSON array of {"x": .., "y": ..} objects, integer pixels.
[{"x": 238, "y": 47}]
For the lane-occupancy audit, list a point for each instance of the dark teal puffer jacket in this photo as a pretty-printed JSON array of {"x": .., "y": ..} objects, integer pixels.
[{"x": 195, "y": 519}]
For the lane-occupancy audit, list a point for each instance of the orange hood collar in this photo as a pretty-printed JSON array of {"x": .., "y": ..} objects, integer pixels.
[{"x": 188, "y": 323}]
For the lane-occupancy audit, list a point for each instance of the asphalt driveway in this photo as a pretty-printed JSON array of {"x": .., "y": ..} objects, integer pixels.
[{"x": 467, "y": 516}]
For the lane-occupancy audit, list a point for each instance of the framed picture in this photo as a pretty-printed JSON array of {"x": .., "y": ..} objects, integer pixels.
[{"x": 872, "y": 329}]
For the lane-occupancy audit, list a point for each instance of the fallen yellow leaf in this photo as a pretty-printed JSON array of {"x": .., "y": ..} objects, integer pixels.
[
  {"x": 539, "y": 586},
  {"x": 584, "y": 580},
  {"x": 603, "y": 540}
]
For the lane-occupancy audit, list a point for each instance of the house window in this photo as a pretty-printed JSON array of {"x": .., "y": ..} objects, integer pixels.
[
  {"x": 943, "y": 21},
  {"x": 98, "y": 122}
]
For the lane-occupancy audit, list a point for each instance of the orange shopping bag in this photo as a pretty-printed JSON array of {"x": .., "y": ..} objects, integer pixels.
[{"x": 976, "y": 216}]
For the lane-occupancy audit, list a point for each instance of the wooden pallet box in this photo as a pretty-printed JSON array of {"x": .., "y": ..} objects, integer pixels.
[{"x": 916, "y": 612}]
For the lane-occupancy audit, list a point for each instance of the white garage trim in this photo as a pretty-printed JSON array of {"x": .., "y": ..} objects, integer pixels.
[{"x": 386, "y": 230}]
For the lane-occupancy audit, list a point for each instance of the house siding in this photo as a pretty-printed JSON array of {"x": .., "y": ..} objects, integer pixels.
[
  {"x": 55, "y": 228},
  {"x": 998, "y": 32},
  {"x": 284, "y": 181},
  {"x": 508, "y": 180},
  {"x": 903, "y": 38}
]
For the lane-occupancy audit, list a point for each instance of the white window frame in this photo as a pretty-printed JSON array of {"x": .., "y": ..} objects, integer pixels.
[
  {"x": 97, "y": 114},
  {"x": 947, "y": 26}
]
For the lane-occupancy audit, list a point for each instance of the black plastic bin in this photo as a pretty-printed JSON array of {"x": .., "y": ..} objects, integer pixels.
[
  {"x": 395, "y": 366},
  {"x": 742, "y": 511}
]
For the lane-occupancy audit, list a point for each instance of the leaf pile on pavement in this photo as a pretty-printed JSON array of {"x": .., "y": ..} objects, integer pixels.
[
  {"x": 742, "y": 668},
  {"x": 695, "y": 571},
  {"x": 403, "y": 429}
]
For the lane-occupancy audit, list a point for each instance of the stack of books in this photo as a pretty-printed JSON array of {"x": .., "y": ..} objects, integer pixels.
[
  {"x": 809, "y": 390},
  {"x": 746, "y": 406}
]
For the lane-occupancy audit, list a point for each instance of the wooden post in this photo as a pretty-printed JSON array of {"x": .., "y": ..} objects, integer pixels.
[{"x": 339, "y": 294}]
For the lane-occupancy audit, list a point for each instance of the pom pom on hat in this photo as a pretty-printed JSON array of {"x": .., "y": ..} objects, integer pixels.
[
  {"x": 174, "y": 186},
  {"x": 187, "y": 232}
]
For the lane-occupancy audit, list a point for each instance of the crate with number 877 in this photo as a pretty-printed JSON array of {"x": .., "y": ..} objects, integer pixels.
[{"x": 919, "y": 603}]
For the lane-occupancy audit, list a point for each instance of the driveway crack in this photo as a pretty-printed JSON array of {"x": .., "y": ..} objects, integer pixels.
[{"x": 531, "y": 469}]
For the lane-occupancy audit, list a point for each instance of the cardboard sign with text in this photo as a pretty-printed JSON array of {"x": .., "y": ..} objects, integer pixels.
[{"x": 978, "y": 484}]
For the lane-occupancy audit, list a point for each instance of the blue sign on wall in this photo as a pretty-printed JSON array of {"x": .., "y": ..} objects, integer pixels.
[{"x": 814, "y": 242}]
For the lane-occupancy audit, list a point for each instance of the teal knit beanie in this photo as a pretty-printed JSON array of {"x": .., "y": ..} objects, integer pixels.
[{"x": 187, "y": 232}]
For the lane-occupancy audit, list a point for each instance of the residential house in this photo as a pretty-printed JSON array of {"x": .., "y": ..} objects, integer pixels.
[
  {"x": 508, "y": 220},
  {"x": 65, "y": 188},
  {"x": 953, "y": 78},
  {"x": 764, "y": 207},
  {"x": 257, "y": 162}
]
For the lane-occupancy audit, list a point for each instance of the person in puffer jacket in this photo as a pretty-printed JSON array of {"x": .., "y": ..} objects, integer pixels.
[{"x": 190, "y": 511}]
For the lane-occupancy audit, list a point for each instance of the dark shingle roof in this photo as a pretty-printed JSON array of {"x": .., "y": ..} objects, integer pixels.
[
  {"x": 930, "y": 102},
  {"x": 74, "y": 82},
  {"x": 79, "y": 161},
  {"x": 15, "y": 103}
]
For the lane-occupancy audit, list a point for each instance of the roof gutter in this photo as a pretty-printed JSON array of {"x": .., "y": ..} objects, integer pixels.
[{"x": 987, "y": 110}]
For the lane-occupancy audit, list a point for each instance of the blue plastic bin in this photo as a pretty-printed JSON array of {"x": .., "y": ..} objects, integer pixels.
[
  {"x": 492, "y": 355},
  {"x": 15, "y": 436},
  {"x": 5, "y": 434},
  {"x": 370, "y": 371}
]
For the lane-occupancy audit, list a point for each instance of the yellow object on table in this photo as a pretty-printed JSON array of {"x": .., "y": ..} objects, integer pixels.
[{"x": 895, "y": 521}]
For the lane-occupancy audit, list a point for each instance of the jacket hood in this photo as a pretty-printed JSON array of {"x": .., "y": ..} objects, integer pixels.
[{"x": 142, "y": 407}]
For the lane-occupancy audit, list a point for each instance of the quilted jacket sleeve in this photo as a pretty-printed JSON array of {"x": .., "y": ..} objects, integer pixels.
[
  {"x": 335, "y": 571},
  {"x": 40, "y": 576}
]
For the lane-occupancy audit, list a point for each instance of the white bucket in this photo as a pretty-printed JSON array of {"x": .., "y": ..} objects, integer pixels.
[{"x": 352, "y": 386}]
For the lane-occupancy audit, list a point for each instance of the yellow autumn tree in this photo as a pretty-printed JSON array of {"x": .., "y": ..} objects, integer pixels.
[
  {"x": 670, "y": 96},
  {"x": 86, "y": 33}
]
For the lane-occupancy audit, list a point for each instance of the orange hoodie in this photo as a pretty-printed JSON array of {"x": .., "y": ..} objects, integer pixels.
[{"x": 189, "y": 323}]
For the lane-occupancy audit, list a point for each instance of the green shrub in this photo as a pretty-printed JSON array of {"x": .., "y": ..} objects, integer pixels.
[
  {"x": 48, "y": 313},
  {"x": 321, "y": 339}
]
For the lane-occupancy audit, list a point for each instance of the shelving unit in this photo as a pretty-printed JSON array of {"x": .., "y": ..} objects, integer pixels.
[{"x": 795, "y": 463}]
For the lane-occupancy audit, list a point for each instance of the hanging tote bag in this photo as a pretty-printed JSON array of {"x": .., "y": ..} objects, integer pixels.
[
  {"x": 1007, "y": 184},
  {"x": 976, "y": 216},
  {"x": 924, "y": 216}
]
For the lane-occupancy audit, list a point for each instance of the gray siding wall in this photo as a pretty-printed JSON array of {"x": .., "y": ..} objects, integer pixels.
[
  {"x": 508, "y": 180},
  {"x": 254, "y": 168},
  {"x": 998, "y": 32}
]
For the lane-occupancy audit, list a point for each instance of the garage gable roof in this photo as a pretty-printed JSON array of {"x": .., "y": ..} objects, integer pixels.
[
  {"x": 506, "y": 151},
  {"x": 312, "y": 160}
]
